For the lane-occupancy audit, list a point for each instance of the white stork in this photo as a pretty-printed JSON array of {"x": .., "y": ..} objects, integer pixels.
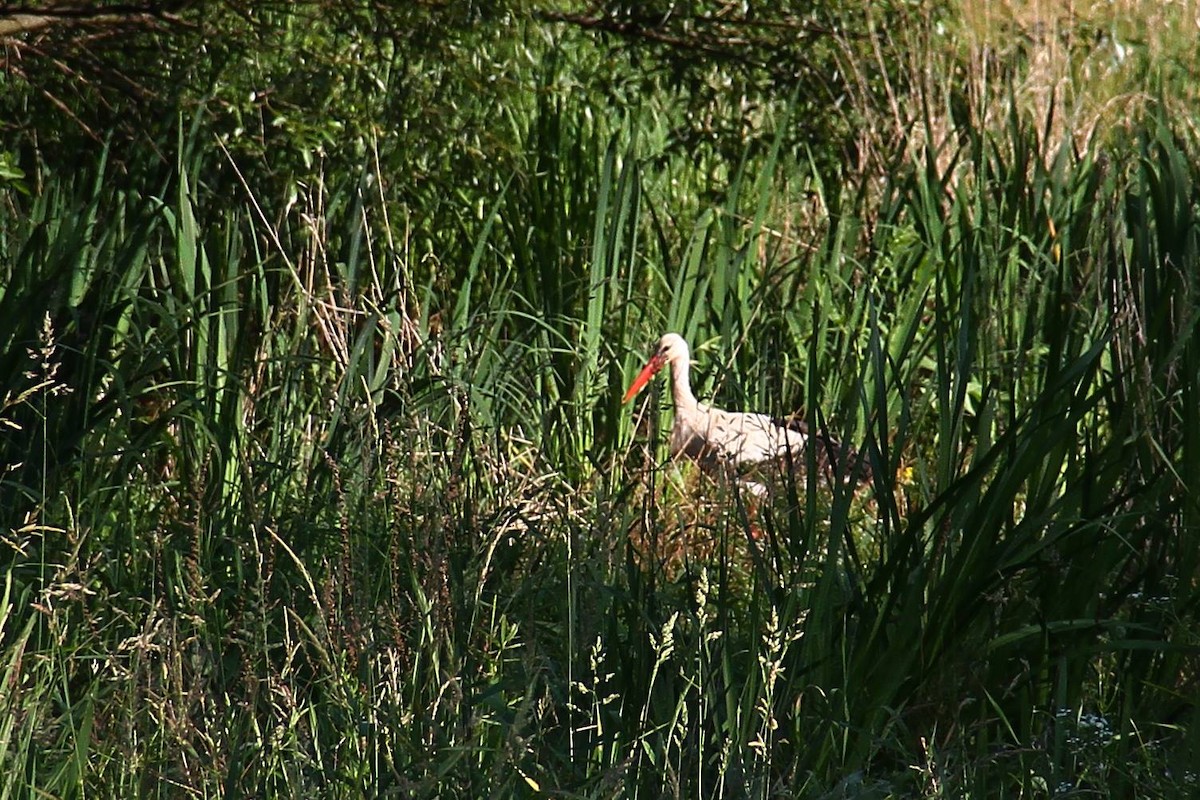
[{"x": 731, "y": 441}]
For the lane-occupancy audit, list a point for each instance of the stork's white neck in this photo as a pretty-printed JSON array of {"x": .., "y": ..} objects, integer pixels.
[{"x": 681, "y": 387}]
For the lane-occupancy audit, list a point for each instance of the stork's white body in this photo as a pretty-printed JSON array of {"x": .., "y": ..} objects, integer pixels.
[{"x": 732, "y": 440}]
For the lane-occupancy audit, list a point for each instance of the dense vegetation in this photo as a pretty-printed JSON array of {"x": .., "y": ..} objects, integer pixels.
[{"x": 314, "y": 475}]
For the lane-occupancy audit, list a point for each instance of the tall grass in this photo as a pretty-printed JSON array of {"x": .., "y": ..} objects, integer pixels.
[{"x": 290, "y": 513}]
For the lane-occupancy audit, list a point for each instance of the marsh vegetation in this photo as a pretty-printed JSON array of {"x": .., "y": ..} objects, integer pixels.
[{"x": 314, "y": 474}]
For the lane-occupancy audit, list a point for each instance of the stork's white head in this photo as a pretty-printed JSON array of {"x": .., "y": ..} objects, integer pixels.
[{"x": 671, "y": 349}]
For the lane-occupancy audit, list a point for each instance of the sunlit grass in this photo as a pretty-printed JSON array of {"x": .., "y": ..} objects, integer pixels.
[{"x": 1087, "y": 67}]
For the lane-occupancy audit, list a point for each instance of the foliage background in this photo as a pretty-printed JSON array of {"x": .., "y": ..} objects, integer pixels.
[{"x": 315, "y": 319}]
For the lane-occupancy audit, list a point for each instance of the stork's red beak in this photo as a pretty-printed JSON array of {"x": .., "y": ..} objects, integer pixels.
[{"x": 644, "y": 377}]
